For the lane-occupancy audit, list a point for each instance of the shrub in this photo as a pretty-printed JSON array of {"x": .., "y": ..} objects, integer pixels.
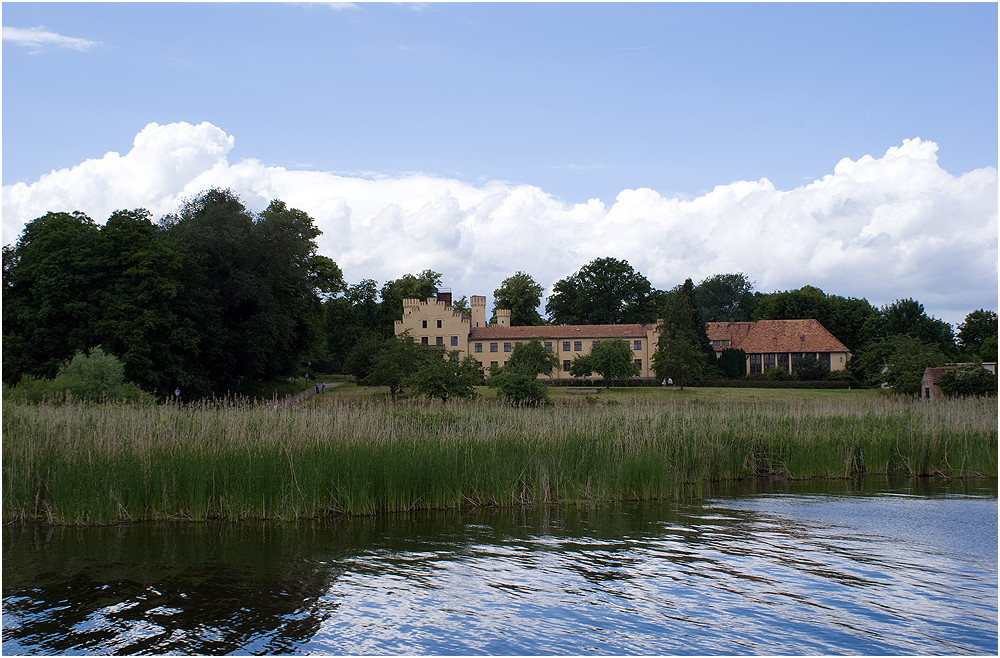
[
  {"x": 810, "y": 369},
  {"x": 519, "y": 386},
  {"x": 92, "y": 377},
  {"x": 777, "y": 374}
]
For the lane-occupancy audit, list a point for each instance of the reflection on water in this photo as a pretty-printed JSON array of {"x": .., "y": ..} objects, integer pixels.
[{"x": 791, "y": 568}]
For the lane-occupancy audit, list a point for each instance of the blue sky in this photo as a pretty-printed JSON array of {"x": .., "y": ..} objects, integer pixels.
[{"x": 574, "y": 101}]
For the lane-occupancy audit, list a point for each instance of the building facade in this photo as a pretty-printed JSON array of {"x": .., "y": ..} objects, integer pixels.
[
  {"x": 776, "y": 343},
  {"x": 767, "y": 343},
  {"x": 434, "y": 322}
]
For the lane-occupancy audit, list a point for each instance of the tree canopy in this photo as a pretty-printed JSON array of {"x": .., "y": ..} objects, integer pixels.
[
  {"x": 605, "y": 291},
  {"x": 209, "y": 297},
  {"x": 522, "y": 295}
]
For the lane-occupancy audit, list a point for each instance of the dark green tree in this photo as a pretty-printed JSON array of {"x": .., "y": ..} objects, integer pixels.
[
  {"x": 978, "y": 327},
  {"x": 53, "y": 276},
  {"x": 522, "y": 295},
  {"x": 808, "y": 368},
  {"x": 349, "y": 319},
  {"x": 138, "y": 319},
  {"x": 906, "y": 317},
  {"x": 684, "y": 351},
  {"x": 733, "y": 363},
  {"x": 409, "y": 286},
  {"x": 605, "y": 291},
  {"x": 725, "y": 297}
]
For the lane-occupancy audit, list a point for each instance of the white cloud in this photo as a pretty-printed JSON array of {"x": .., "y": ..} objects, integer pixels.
[
  {"x": 880, "y": 227},
  {"x": 37, "y": 39}
]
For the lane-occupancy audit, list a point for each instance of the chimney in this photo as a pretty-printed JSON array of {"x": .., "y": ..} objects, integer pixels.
[{"x": 444, "y": 296}]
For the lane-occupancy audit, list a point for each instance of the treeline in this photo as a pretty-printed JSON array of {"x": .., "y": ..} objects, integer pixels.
[
  {"x": 203, "y": 300},
  {"x": 214, "y": 297}
]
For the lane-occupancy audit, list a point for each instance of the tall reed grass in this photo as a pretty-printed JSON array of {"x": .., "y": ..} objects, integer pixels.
[{"x": 84, "y": 464}]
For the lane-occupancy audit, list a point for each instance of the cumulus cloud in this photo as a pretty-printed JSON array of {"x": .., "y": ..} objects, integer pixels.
[
  {"x": 38, "y": 39},
  {"x": 882, "y": 228}
]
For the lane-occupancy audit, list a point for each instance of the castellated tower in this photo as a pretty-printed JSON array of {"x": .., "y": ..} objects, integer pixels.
[
  {"x": 503, "y": 317},
  {"x": 478, "y": 305}
]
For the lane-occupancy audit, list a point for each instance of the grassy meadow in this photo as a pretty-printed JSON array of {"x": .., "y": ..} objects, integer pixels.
[{"x": 352, "y": 451}]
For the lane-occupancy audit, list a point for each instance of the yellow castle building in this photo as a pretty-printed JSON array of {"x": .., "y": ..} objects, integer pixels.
[{"x": 767, "y": 343}]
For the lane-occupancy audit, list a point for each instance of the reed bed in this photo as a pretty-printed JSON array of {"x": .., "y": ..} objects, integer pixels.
[{"x": 107, "y": 463}]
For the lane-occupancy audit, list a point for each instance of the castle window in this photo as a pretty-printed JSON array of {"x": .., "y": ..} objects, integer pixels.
[
  {"x": 548, "y": 345},
  {"x": 637, "y": 345},
  {"x": 423, "y": 324},
  {"x": 755, "y": 363},
  {"x": 439, "y": 341},
  {"x": 494, "y": 347},
  {"x": 439, "y": 324},
  {"x": 565, "y": 346},
  {"x": 423, "y": 340},
  {"x": 577, "y": 345},
  {"x": 454, "y": 341},
  {"x": 507, "y": 347},
  {"x": 769, "y": 362},
  {"x": 566, "y": 365},
  {"x": 638, "y": 364},
  {"x": 479, "y": 347}
]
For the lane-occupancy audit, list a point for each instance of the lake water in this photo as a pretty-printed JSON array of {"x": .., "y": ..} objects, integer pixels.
[{"x": 798, "y": 568}]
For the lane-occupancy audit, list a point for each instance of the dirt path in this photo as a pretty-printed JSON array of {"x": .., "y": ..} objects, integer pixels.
[{"x": 299, "y": 397}]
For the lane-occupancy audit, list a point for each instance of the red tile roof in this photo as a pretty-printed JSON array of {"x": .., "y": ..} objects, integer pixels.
[
  {"x": 767, "y": 336},
  {"x": 561, "y": 332}
]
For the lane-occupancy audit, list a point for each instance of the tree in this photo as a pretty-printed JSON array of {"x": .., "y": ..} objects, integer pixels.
[
  {"x": 518, "y": 381},
  {"x": 522, "y": 295},
  {"x": 808, "y": 368},
  {"x": 447, "y": 377},
  {"x": 725, "y": 297},
  {"x": 605, "y": 291},
  {"x": 532, "y": 357},
  {"x": 53, "y": 276},
  {"x": 138, "y": 318},
  {"x": 612, "y": 360},
  {"x": 348, "y": 320},
  {"x": 396, "y": 361},
  {"x": 805, "y": 302},
  {"x": 581, "y": 366},
  {"x": 967, "y": 380},
  {"x": 677, "y": 358},
  {"x": 409, "y": 286},
  {"x": 905, "y": 359},
  {"x": 519, "y": 387},
  {"x": 979, "y": 326},
  {"x": 683, "y": 350},
  {"x": 733, "y": 363},
  {"x": 906, "y": 317}
]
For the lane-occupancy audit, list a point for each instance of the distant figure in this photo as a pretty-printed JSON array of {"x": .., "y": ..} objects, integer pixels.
[
  {"x": 317, "y": 387},
  {"x": 323, "y": 389},
  {"x": 670, "y": 381}
]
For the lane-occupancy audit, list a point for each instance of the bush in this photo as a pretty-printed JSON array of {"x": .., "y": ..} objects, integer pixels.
[
  {"x": 810, "y": 369},
  {"x": 777, "y": 375},
  {"x": 91, "y": 377},
  {"x": 519, "y": 386}
]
